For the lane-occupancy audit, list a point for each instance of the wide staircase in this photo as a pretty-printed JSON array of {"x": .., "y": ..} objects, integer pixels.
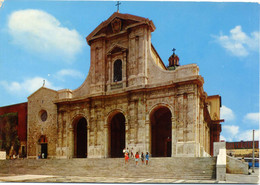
[{"x": 200, "y": 168}]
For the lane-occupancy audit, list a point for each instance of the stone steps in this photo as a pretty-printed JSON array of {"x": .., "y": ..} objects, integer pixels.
[{"x": 177, "y": 167}]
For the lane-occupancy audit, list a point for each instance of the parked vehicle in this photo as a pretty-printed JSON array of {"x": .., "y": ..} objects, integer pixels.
[{"x": 250, "y": 162}]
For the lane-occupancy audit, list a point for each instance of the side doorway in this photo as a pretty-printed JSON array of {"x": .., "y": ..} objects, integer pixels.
[{"x": 43, "y": 151}]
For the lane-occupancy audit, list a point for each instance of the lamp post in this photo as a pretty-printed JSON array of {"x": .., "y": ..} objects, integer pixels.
[{"x": 253, "y": 162}]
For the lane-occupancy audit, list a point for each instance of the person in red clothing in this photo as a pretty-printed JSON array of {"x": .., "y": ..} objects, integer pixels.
[
  {"x": 126, "y": 157},
  {"x": 136, "y": 158}
]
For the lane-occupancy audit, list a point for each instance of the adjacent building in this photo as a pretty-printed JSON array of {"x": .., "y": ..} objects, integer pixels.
[{"x": 242, "y": 149}]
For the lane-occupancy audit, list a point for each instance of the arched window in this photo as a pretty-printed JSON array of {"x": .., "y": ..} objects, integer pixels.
[{"x": 117, "y": 70}]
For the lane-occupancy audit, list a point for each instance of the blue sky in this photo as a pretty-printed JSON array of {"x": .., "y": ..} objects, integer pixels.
[{"x": 45, "y": 40}]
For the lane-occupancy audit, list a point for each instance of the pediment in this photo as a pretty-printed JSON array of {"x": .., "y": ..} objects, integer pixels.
[
  {"x": 116, "y": 49},
  {"x": 42, "y": 89},
  {"x": 116, "y": 24}
]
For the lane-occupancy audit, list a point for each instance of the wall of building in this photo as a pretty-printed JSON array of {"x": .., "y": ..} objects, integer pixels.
[
  {"x": 137, "y": 109},
  {"x": 42, "y": 100},
  {"x": 242, "y": 148},
  {"x": 21, "y": 110}
]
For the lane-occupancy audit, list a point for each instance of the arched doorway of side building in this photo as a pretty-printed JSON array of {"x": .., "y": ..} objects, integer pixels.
[
  {"x": 117, "y": 135},
  {"x": 80, "y": 138},
  {"x": 43, "y": 147},
  {"x": 161, "y": 132}
]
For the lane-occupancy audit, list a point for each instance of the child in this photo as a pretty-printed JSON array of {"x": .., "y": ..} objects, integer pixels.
[
  {"x": 146, "y": 158},
  {"x": 136, "y": 158},
  {"x": 126, "y": 157},
  {"x": 142, "y": 157}
]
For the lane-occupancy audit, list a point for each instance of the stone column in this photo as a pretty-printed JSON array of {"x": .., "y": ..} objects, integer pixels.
[
  {"x": 71, "y": 142},
  {"x": 201, "y": 125},
  {"x": 110, "y": 76},
  {"x": 180, "y": 119},
  {"x": 147, "y": 136},
  {"x": 126, "y": 133},
  {"x": 174, "y": 135},
  {"x": 124, "y": 69},
  {"x": 59, "y": 140},
  {"x": 87, "y": 127},
  {"x": 106, "y": 140}
]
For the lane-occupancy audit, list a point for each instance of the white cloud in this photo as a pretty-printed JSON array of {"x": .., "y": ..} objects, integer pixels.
[
  {"x": 233, "y": 133},
  {"x": 41, "y": 33},
  {"x": 247, "y": 135},
  {"x": 251, "y": 118},
  {"x": 69, "y": 72},
  {"x": 226, "y": 113},
  {"x": 28, "y": 86},
  {"x": 230, "y": 132},
  {"x": 222, "y": 138},
  {"x": 238, "y": 42},
  {"x": 1, "y": 3}
]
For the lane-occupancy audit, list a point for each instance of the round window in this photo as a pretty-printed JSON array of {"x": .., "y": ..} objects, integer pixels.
[{"x": 43, "y": 115}]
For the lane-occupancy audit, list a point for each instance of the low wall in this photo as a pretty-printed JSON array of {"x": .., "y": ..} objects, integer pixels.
[
  {"x": 221, "y": 165},
  {"x": 236, "y": 166},
  {"x": 217, "y": 146}
]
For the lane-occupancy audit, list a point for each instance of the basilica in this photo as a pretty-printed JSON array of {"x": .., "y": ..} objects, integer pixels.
[{"x": 129, "y": 99}]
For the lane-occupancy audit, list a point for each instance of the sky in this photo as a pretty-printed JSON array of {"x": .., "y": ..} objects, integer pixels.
[{"x": 45, "y": 40}]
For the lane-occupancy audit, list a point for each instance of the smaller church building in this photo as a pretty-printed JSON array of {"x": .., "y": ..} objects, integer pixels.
[{"x": 129, "y": 99}]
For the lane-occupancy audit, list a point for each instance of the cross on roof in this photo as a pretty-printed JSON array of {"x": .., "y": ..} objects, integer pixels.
[
  {"x": 117, "y": 4},
  {"x": 173, "y": 50}
]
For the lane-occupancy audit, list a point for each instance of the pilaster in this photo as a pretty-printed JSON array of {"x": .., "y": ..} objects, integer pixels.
[{"x": 174, "y": 135}]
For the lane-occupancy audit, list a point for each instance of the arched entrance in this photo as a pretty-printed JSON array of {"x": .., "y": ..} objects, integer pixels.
[
  {"x": 43, "y": 143},
  {"x": 117, "y": 135},
  {"x": 161, "y": 131},
  {"x": 80, "y": 138}
]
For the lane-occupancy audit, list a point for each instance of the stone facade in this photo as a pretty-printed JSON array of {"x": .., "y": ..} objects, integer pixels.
[{"x": 129, "y": 99}]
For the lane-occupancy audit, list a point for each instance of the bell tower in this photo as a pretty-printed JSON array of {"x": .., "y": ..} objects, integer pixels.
[{"x": 173, "y": 61}]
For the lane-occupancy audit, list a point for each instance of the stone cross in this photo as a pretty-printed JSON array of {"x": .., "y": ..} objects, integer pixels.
[
  {"x": 117, "y": 4},
  {"x": 173, "y": 50}
]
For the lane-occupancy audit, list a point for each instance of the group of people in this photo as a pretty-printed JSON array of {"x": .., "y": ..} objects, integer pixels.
[{"x": 136, "y": 156}]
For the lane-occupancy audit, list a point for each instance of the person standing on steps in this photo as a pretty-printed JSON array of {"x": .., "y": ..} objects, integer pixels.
[
  {"x": 136, "y": 158},
  {"x": 142, "y": 157},
  {"x": 146, "y": 158},
  {"x": 132, "y": 154},
  {"x": 126, "y": 157}
]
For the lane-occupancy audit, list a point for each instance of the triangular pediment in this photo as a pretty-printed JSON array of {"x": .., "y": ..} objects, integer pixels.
[
  {"x": 41, "y": 89},
  {"x": 118, "y": 23},
  {"x": 116, "y": 49}
]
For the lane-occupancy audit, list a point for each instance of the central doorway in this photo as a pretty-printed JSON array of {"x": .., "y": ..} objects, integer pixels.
[
  {"x": 161, "y": 131},
  {"x": 81, "y": 139},
  {"x": 117, "y": 128}
]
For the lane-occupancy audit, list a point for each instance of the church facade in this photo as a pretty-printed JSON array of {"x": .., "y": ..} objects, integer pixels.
[{"x": 129, "y": 99}]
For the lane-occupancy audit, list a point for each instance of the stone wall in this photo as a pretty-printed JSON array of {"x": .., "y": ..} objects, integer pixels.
[
  {"x": 137, "y": 109},
  {"x": 38, "y": 102}
]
